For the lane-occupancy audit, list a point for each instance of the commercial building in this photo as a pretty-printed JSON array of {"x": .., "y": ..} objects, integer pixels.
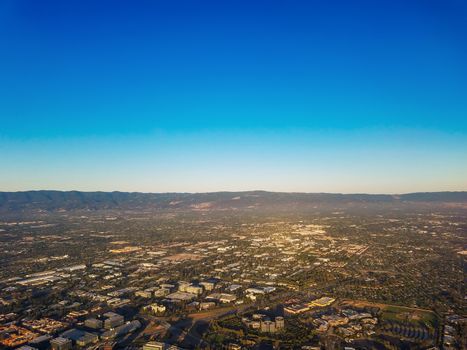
[
  {"x": 182, "y": 286},
  {"x": 295, "y": 309},
  {"x": 222, "y": 297},
  {"x": 209, "y": 284},
  {"x": 41, "y": 342},
  {"x": 113, "y": 321},
  {"x": 121, "y": 330},
  {"x": 181, "y": 296},
  {"x": 155, "y": 345},
  {"x": 61, "y": 344},
  {"x": 143, "y": 294},
  {"x": 280, "y": 324},
  {"x": 87, "y": 339},
  {"x": 156, "y": 308},
  {"x": 93, "y": 323},
  {"x": 321, "y": 302},
  {"x": 194, "y": 289},
  {"x": 269, "y": 326}
]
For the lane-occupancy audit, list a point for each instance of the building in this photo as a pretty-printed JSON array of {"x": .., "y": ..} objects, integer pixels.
[
  {"x": 168, "y": 286},
  {"x": 233, "y": 346},
  {"x": 264, "y": 324},
  {"x": 75, "y": 268},
  {"x": 155, "y": 345},
  {"x": 321, "y": 302},
  {"x": 113, "y": 321},
  {"x": 87, "y": 339},
  {"x": 296, "y": 309},
  {"x": 156, "y": 308},
  {"x": 194, "y": 289},
  {"x": 41, "y": 342},
  {"x": 222, "y": 297},
  {"x": 121, "y": 330},
  {"x": 233, "y": 287},
  {"x": 181, "y": 296},
  {"x": 210, "y": 284},
  {"x": 268, "y": 326},
  {"x": 254, "y": 291},
  {"x": 206, "y": 305},
  {"x": 280, "y": 324},
  {"x": 80, "y": 337},
  {"x": 143, "y": 294},
  {"x": 162, "y": 292},
  {"x": 108, "y": 346},
  {"x": 252, "y": 297},
  {"x": 61, "y": 344},
  {"x": 93, "y": 323},
  {"x": 182, "y": 286}
]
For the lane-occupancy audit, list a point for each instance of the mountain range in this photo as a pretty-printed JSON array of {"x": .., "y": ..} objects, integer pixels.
[{"x": 76, "y": 200}]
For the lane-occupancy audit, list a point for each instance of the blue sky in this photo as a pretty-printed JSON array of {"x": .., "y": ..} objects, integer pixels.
[{"x": 316, "y": 96}]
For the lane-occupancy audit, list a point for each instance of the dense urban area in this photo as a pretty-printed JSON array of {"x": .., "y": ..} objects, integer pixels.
[{"x": 236, "y": 271}]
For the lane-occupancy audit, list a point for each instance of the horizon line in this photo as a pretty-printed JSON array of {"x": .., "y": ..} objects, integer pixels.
[{"x": 239, "y": 191}]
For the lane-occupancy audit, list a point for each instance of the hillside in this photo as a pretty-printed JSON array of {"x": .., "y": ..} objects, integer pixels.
[{"x": 75, "y": 200}]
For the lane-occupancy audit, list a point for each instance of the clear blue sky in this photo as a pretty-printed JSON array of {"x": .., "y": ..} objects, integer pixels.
[{"x": 316, "y": 96}]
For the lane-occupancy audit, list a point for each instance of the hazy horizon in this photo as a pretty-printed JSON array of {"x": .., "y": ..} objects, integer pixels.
[{"x": 235, "y": 191}]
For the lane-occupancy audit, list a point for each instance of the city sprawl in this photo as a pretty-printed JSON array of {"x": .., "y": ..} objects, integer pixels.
[{"x": 369, "y": 276}]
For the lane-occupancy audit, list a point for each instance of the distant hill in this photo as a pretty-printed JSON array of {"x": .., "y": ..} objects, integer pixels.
[{"x": 75, "y": 200}]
